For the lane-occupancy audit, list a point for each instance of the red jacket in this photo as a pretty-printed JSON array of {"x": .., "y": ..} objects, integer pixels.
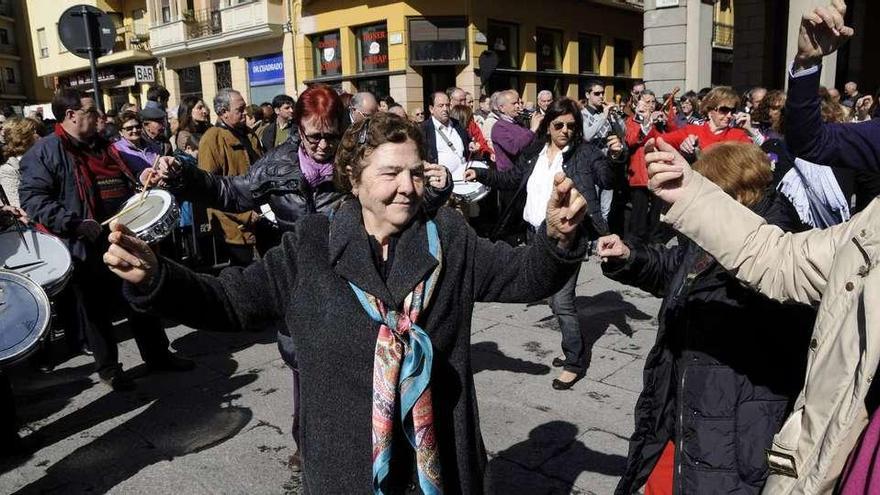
[
  {"x": 477, "y": 136},
  {"x": 706, "y": 138},
  {"x": 635, "y": 140}
]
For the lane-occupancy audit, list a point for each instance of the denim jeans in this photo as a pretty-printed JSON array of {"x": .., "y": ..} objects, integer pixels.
[
  {"x": 563, "y": 307},
  {"x": 562, "y": 304}
]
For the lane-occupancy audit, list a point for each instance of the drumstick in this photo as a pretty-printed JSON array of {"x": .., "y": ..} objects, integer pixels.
[{"x": 123, "y": 212}]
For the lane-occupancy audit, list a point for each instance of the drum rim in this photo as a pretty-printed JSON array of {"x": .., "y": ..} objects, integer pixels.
[{"x": 45, "y": 320}]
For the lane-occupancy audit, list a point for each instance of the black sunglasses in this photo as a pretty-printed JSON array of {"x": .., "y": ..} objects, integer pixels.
[
  {"x": 725, "y": 110},
  {"x": 132, "y": 128},
  {"x": 598, "y": 93},
  {"x": 557, "y": 126},
  {"x": 316, "y": 138}
]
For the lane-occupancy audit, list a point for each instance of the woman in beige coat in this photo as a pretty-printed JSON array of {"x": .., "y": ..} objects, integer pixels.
[{"x": 834, "y": 269}]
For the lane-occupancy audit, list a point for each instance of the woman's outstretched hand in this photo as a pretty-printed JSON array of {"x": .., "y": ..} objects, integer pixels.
[
  {"x": 668, "y": 171},
  {"x": 611, "y": 247},
  {"x": 565, "y": 210},
  {"x": 130, "y": 258}
]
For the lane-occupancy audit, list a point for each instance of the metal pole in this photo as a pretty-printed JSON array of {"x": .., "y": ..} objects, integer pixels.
[{"x": 87, "y": 24}]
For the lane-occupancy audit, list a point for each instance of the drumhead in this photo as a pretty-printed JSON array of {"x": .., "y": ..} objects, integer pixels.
[
  {"x": 474, "y": 164},
  {"x": 466, "y": 188},
  {"x": 24, "y": 316},
  {"x": 156, "y": 203},
  {"x": 45, "y": 260}
]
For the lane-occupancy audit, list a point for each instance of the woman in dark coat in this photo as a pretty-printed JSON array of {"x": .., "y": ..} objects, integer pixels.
[
  {"x": 559, "y": 147},
  {"x": 728, "y": 362},
  {"x": 377, "y": 298}
]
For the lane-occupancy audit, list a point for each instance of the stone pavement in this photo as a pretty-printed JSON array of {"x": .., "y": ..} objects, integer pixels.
[{"x": 225, "y": 427}]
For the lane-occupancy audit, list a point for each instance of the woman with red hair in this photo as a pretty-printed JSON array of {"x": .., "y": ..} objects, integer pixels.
[{"x": 295, "y": 178}]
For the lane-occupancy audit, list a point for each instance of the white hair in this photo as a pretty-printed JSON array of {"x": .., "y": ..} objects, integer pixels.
[{"x": 223, "y": 98}]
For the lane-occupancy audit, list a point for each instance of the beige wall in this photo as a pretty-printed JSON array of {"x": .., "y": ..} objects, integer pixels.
[{"x": 237, "y": 57}]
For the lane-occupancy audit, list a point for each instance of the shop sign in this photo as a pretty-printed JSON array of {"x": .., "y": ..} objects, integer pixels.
[
  {"x": 373, "y": 48},
  {"x": 328, "y": 59},
  {"x": 144, "y": 74},
  {"x": 85, "y": 78},
  {"x": 266, "y": 70}
]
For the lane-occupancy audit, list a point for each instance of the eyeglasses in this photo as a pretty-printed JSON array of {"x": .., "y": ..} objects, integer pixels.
[
  {"x": 130, "y": 128},
  {"x": 725, "y": 110},
  {"x": 598, "y": 93},
  {"x": 557, "y": 126},
  {"x": 316, "y": 138}
]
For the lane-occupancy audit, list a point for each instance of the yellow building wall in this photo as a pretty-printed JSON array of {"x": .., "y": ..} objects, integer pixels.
[{"x": 568, "y": 16}]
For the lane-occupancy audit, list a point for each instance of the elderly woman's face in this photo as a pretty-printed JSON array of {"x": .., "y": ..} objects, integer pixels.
[
  {"x": 131, "y": 131},
  {"x": 391, "y": 186},
  {"x": 319, "y": 140}
]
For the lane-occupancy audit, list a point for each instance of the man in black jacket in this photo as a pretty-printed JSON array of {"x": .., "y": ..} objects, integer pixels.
[
  {"x": 70, "y": 182},
  {"x": 446, "y": 140},
  {"x": 278, "y": 131}
]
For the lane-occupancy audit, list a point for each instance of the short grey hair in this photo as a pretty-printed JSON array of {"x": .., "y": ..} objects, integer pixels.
[
  {"x": 545, "y": 92},
  {"x": 495, "y": 101},
  {"x": 223, "y": 99}
]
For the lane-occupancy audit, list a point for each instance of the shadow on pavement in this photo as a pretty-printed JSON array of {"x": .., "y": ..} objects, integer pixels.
[
  {"x": 187, "y": 412},
  {"x": 597, "y": 313},
  {"x": 487, "y": 356},
  {"x": 550, "y": 461}
]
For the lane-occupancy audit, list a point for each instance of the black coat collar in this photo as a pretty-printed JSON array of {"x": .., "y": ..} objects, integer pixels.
[{"x": 350, "y": 255}]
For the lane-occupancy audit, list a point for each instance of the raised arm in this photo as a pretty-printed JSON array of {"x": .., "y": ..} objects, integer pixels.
[
  {"x": 503, "y": 273},
  {"x": 239, "y": 299},
  {"x": 855, "y": 146}
]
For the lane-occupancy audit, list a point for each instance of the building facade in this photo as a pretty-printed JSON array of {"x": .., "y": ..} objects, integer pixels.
[
  {"x": 18, "y": 82},
  {"x": 116, "y": 71},
  {"x": 207, "y": 45},
  {"x": 407, "y": 49},
  {"x": 744, "y": 43}
]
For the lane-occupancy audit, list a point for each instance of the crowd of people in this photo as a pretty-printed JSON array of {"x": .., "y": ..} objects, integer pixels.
[{"x": 348, "y": 202}]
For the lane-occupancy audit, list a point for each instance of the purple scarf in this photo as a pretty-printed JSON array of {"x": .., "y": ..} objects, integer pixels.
[{"x": 313, "y": 172}]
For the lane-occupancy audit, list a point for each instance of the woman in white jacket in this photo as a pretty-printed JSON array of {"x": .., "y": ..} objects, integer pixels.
[{"x": 835, "y": 269}]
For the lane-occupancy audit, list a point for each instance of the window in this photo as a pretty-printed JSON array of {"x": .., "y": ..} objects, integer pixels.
[
  {"x": 623, "y": 54},
  {"x": 4, "y": 36},
  {"x": 9, "y": 72},
  {"x": 589, "y": 53},
  {"x": 223, "y": 70},
  {"x": 503, "y": 39},
  {"x": 166, "y": 11},
  {"x": 326, "y": 52},
  {"x": 190, "y": 81},
  {"x": 548, "y": 45},
  {"x": 372, "y": 48},
  {"x": 438, "y": 41},
  {"x": 42, "y": 43}
]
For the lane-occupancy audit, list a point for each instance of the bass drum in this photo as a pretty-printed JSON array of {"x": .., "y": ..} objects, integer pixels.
[{"x": 25, "y": 315}]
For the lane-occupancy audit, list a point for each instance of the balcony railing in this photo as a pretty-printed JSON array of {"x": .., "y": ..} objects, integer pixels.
[
  {"x": 722, "y": 35},
  {"x": 6, "y": 9},
  {"x": 204, "y": 22},
  {"x": 8, "y": 49}
]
